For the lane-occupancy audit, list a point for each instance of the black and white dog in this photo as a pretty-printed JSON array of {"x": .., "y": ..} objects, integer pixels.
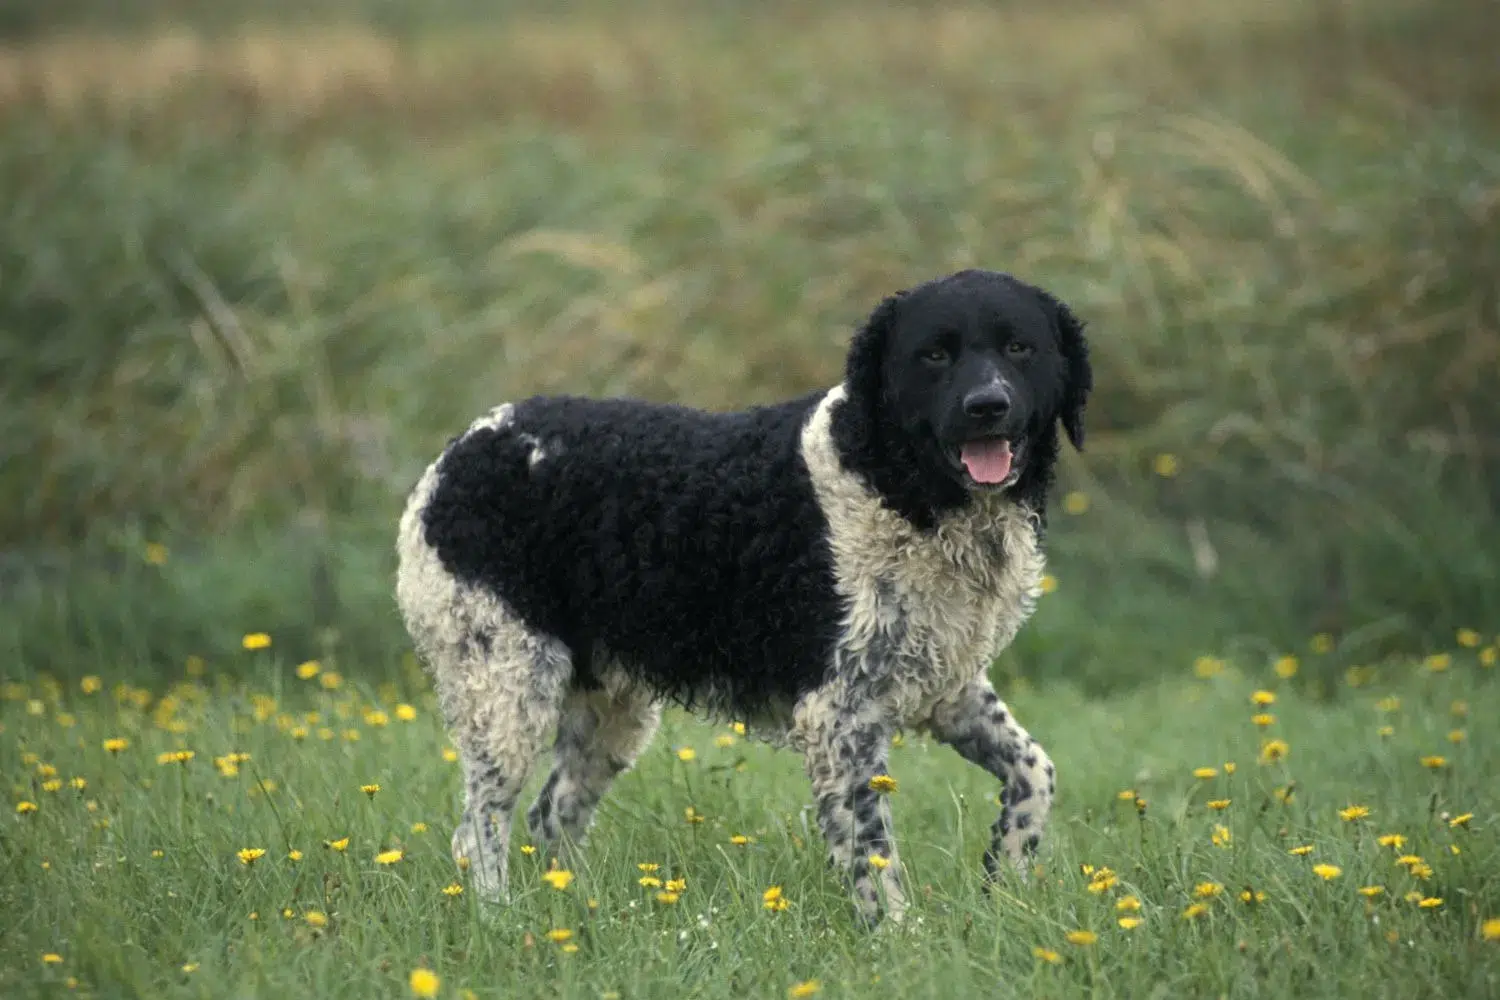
[{"x": 829, "y": 570}]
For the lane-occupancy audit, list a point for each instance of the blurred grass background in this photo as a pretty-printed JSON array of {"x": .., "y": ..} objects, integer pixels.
[{"x": 258, "y": 262}]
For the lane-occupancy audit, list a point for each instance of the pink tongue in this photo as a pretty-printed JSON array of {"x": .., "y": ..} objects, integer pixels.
[{"x": 987, "y": 461}]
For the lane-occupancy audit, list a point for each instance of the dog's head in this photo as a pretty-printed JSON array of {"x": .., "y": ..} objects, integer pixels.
[{"x": 957, "y": 386}]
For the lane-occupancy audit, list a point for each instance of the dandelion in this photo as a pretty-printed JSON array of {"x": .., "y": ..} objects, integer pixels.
[
  {"x": 1286, "y": 667},
  {"x": 1081, "y": 938},
  {"x": 376, "y": 719},
  {"x": 676, "y": 885},
  {"x": 115, "y": 744},
  {"x": 1076, "y": 502},
  {"x": 423, "y": 983},
  {"x": 1435, "y": 761},
  {"x": 369, "y": 790},
  {"x": 250, "y": 855},
  {"x": 1047, "y": 955},
  {"x": 1207, "y": 890},
  {"x": 880, "y": 863},
  {"x": 774, "y": 900},
  {"x": 649, "y": 882},
  {"x": 1489, "y": 656},
  {"x": 308, "y": 670},
  {"x": 1206, "y": 667},
  {"x": 1165, "y": 465},
  {"x": 1301, "y": 851},
  {"x": 52, "y": 958},
  {"x": 1128, "y": 904},
  {"x": 1263, "y": 719},
  {"x": 337, "y": 845},
  {"x": 1204, "y": 773},
  {"x": 1194, "y": 911},
  {"x": 405, "y": 712},
  {"x": 1218, "y": 804},
  {"x": 1229, "y": 767},
  {"x": 1460, "y": 820},
  {"x": 294, "y": 855},
  {"x": 316, "y": 918},
  {"x": 1468, "y": 638},
  {"x": 723, "y": 740},
  {"x": 1430, "y": 902},
  {"x": 1395, "y": 840},
  {"x": 1459, "y": 708},
  {"x": 1352, "y": 813},
  {"x": 1490, "y": 929},
  {"x": 174, "y": 757},
  {"x": 390, "y": 857},
  {"x": 1327, "y": 872},
  {"x": 450, "y": 755},
  {"x": 1129, "y": 923},
  {"x": 351, "y": 736},
  {"x": 256, "y": 640},
  {"x": 558, "y": 878},
  {"x": 686, "y": 754},
  {"x": 1437, "y": 662},
  {"x": 1371, "y": 891},
  {"x": 1049, "y": 583},
  {"x": 1252, "y": 896},
  {"x": 190, "y": 968},
  {"x": 804, "y": 989},
  {"x": 1221, "y": 836},
  {"x": 155, "y": 553},
  {"x": 24, "y": 807},
  {"x": 692, "y": 815},
  {"x": 667, "y": 898},
  {"x": 648, "y": 866},
  {"x": 158, "y": 853},
  {"x": 1386, "y": 732},
  {"x": 1262, "y": 698},
  {"x": 558, "y": 935},
  {"x": 1457, "y": 736},
  {"x": 884, "y": 784},
  {"x": 740, "y": 840},
  {"x": 331, "y": 680},
  {"x": 1272, "y": 751},
  {"x": 1128, "y": 795}
]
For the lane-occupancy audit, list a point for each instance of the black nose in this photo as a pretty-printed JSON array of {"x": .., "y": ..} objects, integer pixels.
[{"x": 990, "y": 402}]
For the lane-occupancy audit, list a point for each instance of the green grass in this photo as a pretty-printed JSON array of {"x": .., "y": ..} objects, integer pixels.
[{"x": 81, "y": 879}]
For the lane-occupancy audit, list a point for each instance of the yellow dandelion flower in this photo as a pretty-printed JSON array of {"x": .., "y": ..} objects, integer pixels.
[
  {"x": 667, "y": 898},
  {"x": 558, "y": 878},
  {"x": 1468, "y": 638},
  {"x": 1371, "y": 891},
  {"x": 190, "y": 968},
  {"x": 294, "y": 855},
  {"x": 1274, "y": 750},
  {"x": 649, "y": 882},
  {"x": 1193, "y": 911},
  {"x": 648, "y": 866},
  {"x": 423, "y": 983},
  {"x": 1458, "y": 708},
  {"x": 390, "y": 857},
  {"x": 686, "y": 753},
  {"x": 351, "y": 736},
  {"x": 1395, "y": 840},
  {"x": 1076, "y": 502},
  {"x": 1263, "y": 698},
  {"x": 1490, "y": 929},
  {"x": 558, "y": 935},
  {"x": 1413, "y": 897},
  {"x": 1489, "y": 656},
  {"x": 1435, "y": 761},
  {"x": 256, "y": 640},
  {"x": 1204, "y": 773},
  {"x": 1081, "y": 938},
  {"x": 1047, "y": 955},
  {"x": 308, "y": 670},
  {"x": 1353, "y": 812},
  {"x": 316, "y": 918},
  {"x": 740, "y": 840},
  {"x": 1207, "y": 890},
  {"x": 1205, "y": 667},
  {"x": 1421, "y": 870},
  {"x": 1230, "y": 767},
  {"x": 879, "y": 862},
  {"x": 250, "y": 855},
  {"x": 52, "y": 785},
  {"x": 375, "y": 718},
  {"x": 693, "y": 815},
  {"x": 1128, "y": 795},
  {"x": 723, "y": 740},
  {"x": 1327, "y": 872},
  {"x": 51, "y": 958},
  {"x": 1128, "y": 904},
  {"x": 1407, "y": 860},
  {"x": 1165, "y": 465},
  {"x": 1301, "y": 851},
  {"x": 1049, "y": 583},
  {"x": 1386, "y": 732},
  {"x": 1457, "y": 735},
  {"x": 1129, "y": 923},
  {"x": 1430, "y": 902},
  {"x": 774, "y": 899},
  {"x": 1221, "y": 836},
  {"x": 337, "y": 845},
  {"x": 1437, "y": 662},
  {"x": 331, "y": 680},
  {"x": 24, "y": 807},
  {"x": 738, "y": 727},
  {"x": 883, "y": 784},
  {"x": 1461, "y": 820},
  {"x": 405, "y": 712},
  {"x": 1286, "y": 667},
  {"x": 1263, "y": 719},
  {"x": 1252, "y": 896},
  {"x": 676, "y": 885},
  {"x": 449, "y": 755},
  {"x": 115, "y": 744},
  {"x": 370, "y": 790},
  {"x": 155, "y": 553},
  {"x": 90, "y": 684},
  {"x": 453, "y": 889},
  {"x": 1218, "y": 804},
  {"x": 804, "y": 989},
  {"x": 158, "y": 853}
]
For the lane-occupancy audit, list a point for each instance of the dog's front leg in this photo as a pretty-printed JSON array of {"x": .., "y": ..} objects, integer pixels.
[
  {"x": 846, "y": 750},
  {"x": 977, "y": 724}
]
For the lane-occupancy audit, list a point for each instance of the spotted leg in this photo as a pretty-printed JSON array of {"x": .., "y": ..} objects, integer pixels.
[
  {"x": 846, "y": 752},
  {"x": 977, "y": 724},
  {"x": 600, "y": 735}
]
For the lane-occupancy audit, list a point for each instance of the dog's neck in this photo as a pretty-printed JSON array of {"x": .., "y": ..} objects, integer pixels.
[{"x": 873, "y": 447}]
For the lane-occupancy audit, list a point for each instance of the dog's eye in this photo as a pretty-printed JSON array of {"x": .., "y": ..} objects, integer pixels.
[
  {"x": 1017, "y": 349},
  {"x": 934, "y": 355}
]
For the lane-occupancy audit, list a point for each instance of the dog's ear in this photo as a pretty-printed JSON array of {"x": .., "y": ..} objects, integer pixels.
[
  {"x": 862, "y": 369},
  {"x": 1080, "y": 375}
]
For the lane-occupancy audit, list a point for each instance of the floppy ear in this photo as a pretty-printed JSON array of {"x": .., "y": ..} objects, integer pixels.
[
  {"x": 1080, "y": 377},
  {"x": 862, "y": 369}
]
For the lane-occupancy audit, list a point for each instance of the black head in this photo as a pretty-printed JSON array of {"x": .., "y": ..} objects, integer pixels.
[{"x": 957, "y": 387}]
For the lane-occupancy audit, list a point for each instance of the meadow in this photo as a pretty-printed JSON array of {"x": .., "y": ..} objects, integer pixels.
[{"x": 258, "y": 262}]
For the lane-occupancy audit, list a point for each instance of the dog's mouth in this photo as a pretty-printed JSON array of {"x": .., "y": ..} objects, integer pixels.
[{"x": 992, "y": 462}]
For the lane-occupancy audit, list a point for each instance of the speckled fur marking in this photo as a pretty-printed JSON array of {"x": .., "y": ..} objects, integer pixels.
[{"x": 927, "y": 613}]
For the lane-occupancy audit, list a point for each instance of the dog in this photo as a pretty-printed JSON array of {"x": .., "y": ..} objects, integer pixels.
[{"x": 831, "y": 570}]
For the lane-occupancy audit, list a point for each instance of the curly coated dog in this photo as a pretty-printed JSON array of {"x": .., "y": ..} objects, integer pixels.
[{"x": 830, "y": 570}]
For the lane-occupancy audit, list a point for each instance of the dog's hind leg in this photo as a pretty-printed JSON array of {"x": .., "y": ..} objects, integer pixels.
[
  {"x": 600, "y": 735},
  {"x": 977, "y": 724}
]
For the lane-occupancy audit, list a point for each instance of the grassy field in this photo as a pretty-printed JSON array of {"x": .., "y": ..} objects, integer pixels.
[
  {"x": 259, "y": 261},
  {"x": 1265, "y": 874}
]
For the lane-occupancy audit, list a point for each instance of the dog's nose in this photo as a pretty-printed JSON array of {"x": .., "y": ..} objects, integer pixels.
[{"x": 990, "y": 402}]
